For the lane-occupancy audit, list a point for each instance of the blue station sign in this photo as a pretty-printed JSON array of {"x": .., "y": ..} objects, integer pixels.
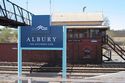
[{"x": 41, "y": 34}]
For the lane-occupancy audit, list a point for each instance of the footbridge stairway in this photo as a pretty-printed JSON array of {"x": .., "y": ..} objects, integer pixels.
[
  {"x": 113, "y": 46},
  {"x": 13, "y": 15}
]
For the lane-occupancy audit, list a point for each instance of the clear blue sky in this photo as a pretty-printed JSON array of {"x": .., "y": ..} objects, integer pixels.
[{"x": 113, "y": 9}]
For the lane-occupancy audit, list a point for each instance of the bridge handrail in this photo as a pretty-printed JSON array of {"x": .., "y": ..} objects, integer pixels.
[
  {"x": 19, "y": 7},
  {"x": 18, "y": 13}
]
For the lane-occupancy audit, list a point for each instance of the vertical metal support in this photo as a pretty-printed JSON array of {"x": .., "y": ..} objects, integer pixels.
[
  {"x": 110, "y": 54},
  {"x": 107, "y": 39},
  {"x": 64, "y": 57},
  {"x": 1, "y": 9},
  {"x": 15, "y": 12},
  {"x": 28, "y": 19},
  {"x": 23, "y": 19},
  {"x": 19, "y": 56},
  {"x": 5, "y": 8},
  {"x": 20, "y": 12}
]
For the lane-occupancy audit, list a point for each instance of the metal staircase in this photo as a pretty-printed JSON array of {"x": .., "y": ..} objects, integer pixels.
[
  {"x": 115, "y": 47},
  {"x": 13, "y": 15},
  {"x": 107, "y": 53}
]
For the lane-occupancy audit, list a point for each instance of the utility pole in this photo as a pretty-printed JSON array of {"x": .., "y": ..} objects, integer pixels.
[
  {"x": 50, "y": 3},
  {"x": 27, "y": 3},
  {"x": 84, "y": 8},
  {"x": 50, "y": 8}
]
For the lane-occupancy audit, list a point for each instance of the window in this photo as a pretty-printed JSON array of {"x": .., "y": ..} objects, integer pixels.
[
  {"x": 84, "y": 34},
  {"x": 70, "y": 34},
  {"x": 81, "y": 35},
  {"x": 94, "y": 33},
  {"x": 76, "y": 35}
]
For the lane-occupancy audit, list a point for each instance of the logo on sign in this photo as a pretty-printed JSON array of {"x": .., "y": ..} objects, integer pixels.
[{"x": 43, "y": 28}]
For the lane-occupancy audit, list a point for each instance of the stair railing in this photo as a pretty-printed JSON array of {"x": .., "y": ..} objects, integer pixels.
[{"x": 119, "y": 50}]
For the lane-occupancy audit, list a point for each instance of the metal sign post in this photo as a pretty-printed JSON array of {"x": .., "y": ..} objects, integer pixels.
[
  {"x": 19, "y": 57},
  {"x": 39, "y": 38},
  {"x": 64, "y": 53}
]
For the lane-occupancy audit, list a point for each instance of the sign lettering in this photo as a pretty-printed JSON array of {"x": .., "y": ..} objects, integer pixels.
[{"x": 40, "y": 34}]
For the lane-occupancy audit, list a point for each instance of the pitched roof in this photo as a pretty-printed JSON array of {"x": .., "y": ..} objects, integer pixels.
[{"x": 59, "y": 17}]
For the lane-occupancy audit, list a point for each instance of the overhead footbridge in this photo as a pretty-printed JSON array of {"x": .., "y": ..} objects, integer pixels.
[{"x": 13, "y": 15}]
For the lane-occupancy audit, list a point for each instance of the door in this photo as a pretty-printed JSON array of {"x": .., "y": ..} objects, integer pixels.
[{"x": 73, "y": 46}]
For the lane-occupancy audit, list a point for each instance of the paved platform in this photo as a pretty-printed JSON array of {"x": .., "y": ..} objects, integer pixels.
[
  {"x": 118, "y": 77},
  {"x": 110, "y": 78}
]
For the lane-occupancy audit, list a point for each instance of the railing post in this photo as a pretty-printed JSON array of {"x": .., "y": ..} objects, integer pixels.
[
  {"x": 110, "y": 54},
  {"x": 28, "y": 18},
  {"x": 14, "y": 12},
  {"x": 107, "y": 39},
  {"x": 1, "y": 9},
  {"x": 5, "y": 8},
  {"x": 23, "y": 19}
]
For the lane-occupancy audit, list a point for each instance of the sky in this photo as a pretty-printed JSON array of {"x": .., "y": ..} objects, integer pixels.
[{"x": 114, "y": 10}]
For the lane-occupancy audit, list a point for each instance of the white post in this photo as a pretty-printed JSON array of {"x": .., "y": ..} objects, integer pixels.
[{"x": 29, "y": 80}]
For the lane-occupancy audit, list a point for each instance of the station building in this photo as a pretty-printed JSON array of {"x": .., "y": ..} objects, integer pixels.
[{"x": 85, "y": 38}]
